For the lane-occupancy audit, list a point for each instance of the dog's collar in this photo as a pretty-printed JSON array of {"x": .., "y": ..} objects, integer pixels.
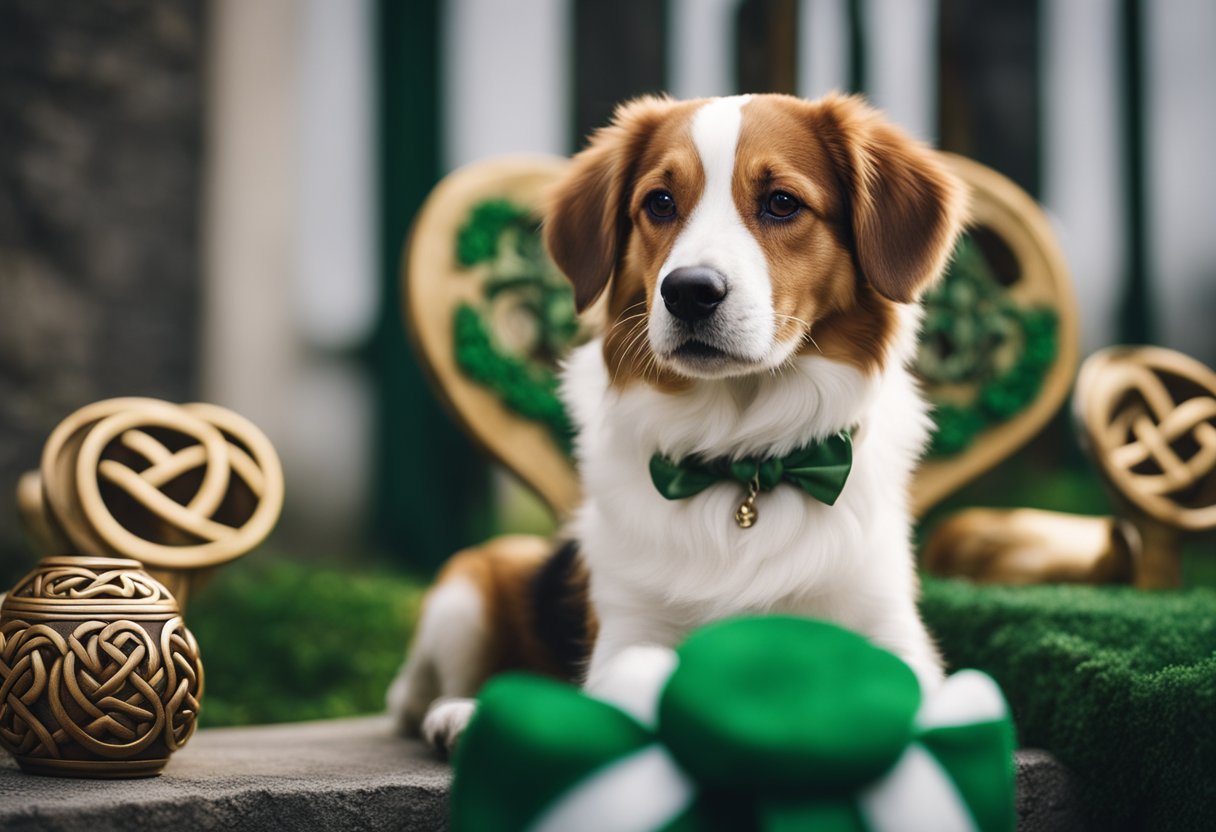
[{"x": 818, "y": 468}]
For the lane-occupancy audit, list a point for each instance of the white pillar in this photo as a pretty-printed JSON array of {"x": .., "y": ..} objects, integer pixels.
[
  {"x": 250, "y": 347},
  {"x": 901, "y": 65},
  {"x": 1083, "y": 181},
  {"x": 506, "y": 78},
  {"x": 823, "y": 47},
  {"x": 336, "y": 256},
  {"x": 290, "y": 219},
  {"x": 701, "y": 48},
  {"x": 1181, "y": 113}
]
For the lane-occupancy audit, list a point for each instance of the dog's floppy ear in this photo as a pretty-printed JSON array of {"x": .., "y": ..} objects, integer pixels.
[
  {"x": 586, "y": 219},
  {"x": 906, "y": 208}
]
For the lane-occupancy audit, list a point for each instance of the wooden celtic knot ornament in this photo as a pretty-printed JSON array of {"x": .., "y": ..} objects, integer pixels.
[
  {"x": 99, "y": 677},
  {"x": 180, "y": 488},
  {"x": 1148, "y": 418}
]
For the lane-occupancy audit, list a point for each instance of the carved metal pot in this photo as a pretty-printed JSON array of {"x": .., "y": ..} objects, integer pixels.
[{"x": 99, "y": 677}]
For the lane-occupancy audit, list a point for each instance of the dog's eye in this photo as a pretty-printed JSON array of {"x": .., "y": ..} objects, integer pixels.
[
  {"x": 661, "y": 205},
  {"x": 781, "y": 205}
]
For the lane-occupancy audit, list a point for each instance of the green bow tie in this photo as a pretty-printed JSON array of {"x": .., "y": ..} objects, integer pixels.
[{"x": 820, "y": 469}]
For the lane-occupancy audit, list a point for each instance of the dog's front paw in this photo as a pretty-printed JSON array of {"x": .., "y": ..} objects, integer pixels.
[{"x": 445, "y": 722}]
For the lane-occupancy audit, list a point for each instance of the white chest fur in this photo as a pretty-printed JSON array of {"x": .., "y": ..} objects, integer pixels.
[{"x": 660, "y": 567}]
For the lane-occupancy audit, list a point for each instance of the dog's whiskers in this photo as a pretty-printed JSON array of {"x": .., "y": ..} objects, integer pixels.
[
  {"x": 783, "y": 316},
  {"x": 635, "y": 339},
  {"x": 627, "y": 318}
]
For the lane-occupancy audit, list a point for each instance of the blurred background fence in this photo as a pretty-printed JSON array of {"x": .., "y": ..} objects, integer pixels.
[{"x": 209, "y": 199}]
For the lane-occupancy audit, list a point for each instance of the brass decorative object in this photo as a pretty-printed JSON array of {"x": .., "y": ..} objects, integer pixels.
[
  {"x": 180, "y": 488},
  {"x": 1148, "y": 418},
  {"x": 99, "y": 677},
  {"x": 1031, "y": 546},
  {"x": 747, "y": 514}
]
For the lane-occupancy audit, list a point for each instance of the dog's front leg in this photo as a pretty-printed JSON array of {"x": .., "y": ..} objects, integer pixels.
[
  {"x": 625, "y": 625},
  {"x": 445, "y": 721}
]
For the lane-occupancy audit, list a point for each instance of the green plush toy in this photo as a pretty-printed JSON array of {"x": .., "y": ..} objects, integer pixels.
[{"x": 767, "y": 723}]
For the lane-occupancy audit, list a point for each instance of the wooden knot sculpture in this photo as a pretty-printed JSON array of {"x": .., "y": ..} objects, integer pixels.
[
  {"x": 180, "y": 488},
  {"x": 1148, "y": 418},
  {"x": 99, "y": 676}
]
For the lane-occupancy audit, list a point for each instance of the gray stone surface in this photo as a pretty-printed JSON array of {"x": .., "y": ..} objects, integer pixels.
[
  {"x": 350, "y": 774},
  {"x": 100, "y": 151},
  {"x": 345, "y": 774},
  {"x": 1047, "y": 794}
]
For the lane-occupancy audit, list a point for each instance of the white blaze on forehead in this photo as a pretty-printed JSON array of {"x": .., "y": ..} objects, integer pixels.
[
  {"x": 716, "y": 236},
  {"x": 715, "y": 132}
]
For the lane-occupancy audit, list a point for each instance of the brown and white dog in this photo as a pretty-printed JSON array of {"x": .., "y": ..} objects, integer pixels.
[{"x": 763, "y": 258}]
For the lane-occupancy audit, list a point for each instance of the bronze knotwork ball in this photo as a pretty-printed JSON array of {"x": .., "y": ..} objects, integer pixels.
[{"x": 99, "y": 677}]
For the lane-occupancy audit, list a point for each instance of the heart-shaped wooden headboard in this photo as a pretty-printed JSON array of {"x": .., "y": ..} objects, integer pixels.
[
  {"x": 999, "y": 347},
  {"x": 491, "y": 317}
]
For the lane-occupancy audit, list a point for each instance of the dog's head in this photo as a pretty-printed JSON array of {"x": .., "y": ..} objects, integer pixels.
[{"x": 733, "y": 234}]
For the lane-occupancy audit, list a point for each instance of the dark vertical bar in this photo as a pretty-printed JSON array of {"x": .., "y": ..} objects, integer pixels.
[
  {"x": 766, "y": 43},
  {"x": 620, "y": 52},
  {"x": 431, "y": 495},
  {"x": 990, "y": 85},
  {"x": 1135, "y": 313},
  {"x": 857, "y": 46}
]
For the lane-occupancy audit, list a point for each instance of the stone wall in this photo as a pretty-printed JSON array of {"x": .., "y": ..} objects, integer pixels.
[{"x": 100, "y": 145}]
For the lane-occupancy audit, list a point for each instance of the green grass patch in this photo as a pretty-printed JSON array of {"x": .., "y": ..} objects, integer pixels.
[
  {"x": 1119, "y": 683},
  {"x": 284, "y": 641}
]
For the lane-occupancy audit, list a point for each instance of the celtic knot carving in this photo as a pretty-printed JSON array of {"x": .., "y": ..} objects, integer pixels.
[
  {"x": 108, "y": 699},
  {"x": 109, "y": 688},
  {"x": 1150, "y": 419},
  {"x": 1151, "y": 427},
  {"x": 27, "y": 656},
  {"x": 78, "y": 582},
  {"x": 183, "y": 682},
  {"x": 173, "y": 486}
]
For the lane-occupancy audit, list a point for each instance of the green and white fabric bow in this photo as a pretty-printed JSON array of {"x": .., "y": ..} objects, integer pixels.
[{"x": 770, "y": 724}]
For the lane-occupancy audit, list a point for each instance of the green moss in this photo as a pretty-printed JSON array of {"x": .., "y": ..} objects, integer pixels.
[
  {"x": 505, "y": 240},
  {"x": 283, "y": 642},
  {"x": 528, "y": 388},
  {"x": 971, "y": 327},
  {"x": 1119, "y": 683},
  {"x": 478, "y": 239}
]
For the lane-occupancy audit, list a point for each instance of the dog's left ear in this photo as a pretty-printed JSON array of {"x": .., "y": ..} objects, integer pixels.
[
  {"x": 586, "y": 221},
  {"x": 906, "y": 207}
]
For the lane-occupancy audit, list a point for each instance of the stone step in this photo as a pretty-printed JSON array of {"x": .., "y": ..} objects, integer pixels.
[{"x": 347, "y": 774}]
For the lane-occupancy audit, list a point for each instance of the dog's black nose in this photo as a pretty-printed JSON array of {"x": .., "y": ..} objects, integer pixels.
[{"x": 692, "y": 293}]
